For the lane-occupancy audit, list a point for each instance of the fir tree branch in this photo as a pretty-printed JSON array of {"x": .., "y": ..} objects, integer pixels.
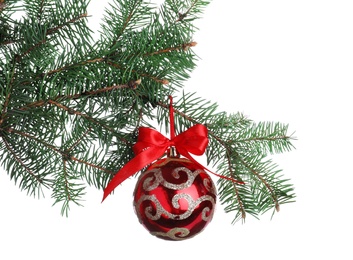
[
  {"x": 74, "y": 112},
  {"x": 124, "y": 16},
  {"x": 20, "y": 161},
  {"x": 92, "y": 93},
  {"x": 74, "y": 65},
  {"x": 68, "y": 23},
  {"x": 185, "y": 14},
  {"x": 125, "y": 25},
  {"x": 240, "y": 201},
  {"x": 91, "y": 165},
  {"x": 65, "y": 154},
  {"x": 41, "y": 10},
  {"x": 264, "y": 182},
  {"x": 235, "y": 187},
  {"x": 231, "y": 154},
  {"x": 102, "y": 60},
  {"x": 176, "y": 111},
  {"x": 29, "y": 136},
  {"x": 267, "y": 137},
  {"x": 142, "y": 74},
  {"x": 67, "y": 189},
  {"x": 253, "y": 171},
  {"x": 65, "y": 176},
  {"x": 79, "y": 140},
  {"x": 8, "y": 97},
  {"x": 182, "y": 47},
  {"x": 49, "y": 32}
]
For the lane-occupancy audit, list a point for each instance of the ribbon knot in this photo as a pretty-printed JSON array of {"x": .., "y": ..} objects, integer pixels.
[{"x": 193, "y": 140}]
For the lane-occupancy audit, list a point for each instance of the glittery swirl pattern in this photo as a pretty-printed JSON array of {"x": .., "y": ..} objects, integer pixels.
[
  {"x": 209, "y": 185},
  {"x": 151, "y": 183},
  {"x": 174, "y": 234},
  {"x": 192, "y": 204}
]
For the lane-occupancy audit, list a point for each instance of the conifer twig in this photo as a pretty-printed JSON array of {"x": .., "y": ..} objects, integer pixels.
[
  {"x": 49, "y": 32},
  {"x": 183, "y": 15},
  {"x": 20, "y": 161},
  {"x": 71, "y": 21},
  {"x": 265, "y": 183},
  {"x": 125, "y": 24},
  {"x": 7, "y": 99},
  {"x": 64, "y": 154},
  {"x": 235, "y": 187},
  {"x": 67, "y": 189},
  {"x": 75, "y": 112},
  {"x": 80, "y": 95},
  {"x": 183, "y": 47}
]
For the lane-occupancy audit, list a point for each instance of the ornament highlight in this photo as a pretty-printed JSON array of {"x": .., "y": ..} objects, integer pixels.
[{"x": 174, "y": 199}]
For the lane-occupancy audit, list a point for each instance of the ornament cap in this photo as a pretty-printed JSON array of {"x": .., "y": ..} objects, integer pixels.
[{"x": 173, "y": 152}]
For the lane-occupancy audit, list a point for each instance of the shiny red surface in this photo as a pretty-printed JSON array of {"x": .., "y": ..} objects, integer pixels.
[{"x": 201, "y": 191}]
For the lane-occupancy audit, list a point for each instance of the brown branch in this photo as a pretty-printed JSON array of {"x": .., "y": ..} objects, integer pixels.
[
  {"x": 64, "y": 154},
  {"x": 73, "y": 20},
  {"x": 49, "y": 32},
  {"x": 126, "y": 22},
  {"x": 7, "y": 99},
  {"x": 161, "y": 81},
  {"x": 72, "y": 66},
  {"x": 81, "y": 95},
  {"x": 19, "y": 57},
  {"x": 263, "y": 139},
  {"x": 264, "y": 182},
  {"x": 75, "y": 112},
  {"x": 240, "y": 201},
  {"x": 91, "y": 165},
  {"x": 113, "y": 64},
  {"x": 183, "y": 47},
  {"x": 4, "y": 108},
  {"x": 79, "y": 140},
  {"x": 52, "y": 147},
  {"x": 183, "y": 15}
]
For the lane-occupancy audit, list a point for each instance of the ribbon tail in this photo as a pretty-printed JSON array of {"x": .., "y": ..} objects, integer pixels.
[
  {"x": 187, "y": 155},
  {"x": 130, "y": 168}
]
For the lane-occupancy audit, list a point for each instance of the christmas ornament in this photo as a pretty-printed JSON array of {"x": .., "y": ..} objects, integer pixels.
[{"x": 174, "y": 198}]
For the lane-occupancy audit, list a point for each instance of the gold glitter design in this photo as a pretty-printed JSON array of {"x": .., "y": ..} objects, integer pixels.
[
  {"x": 175, "y": 233},
  {"x": 150, "y": 183},
  {"x": 192, "y": 204}
]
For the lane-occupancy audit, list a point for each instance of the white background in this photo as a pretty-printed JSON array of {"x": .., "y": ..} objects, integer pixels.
[{"x": 286, "y": 61}]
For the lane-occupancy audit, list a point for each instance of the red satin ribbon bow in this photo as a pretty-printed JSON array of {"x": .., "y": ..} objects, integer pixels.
[{"x": 151, "y": 145}]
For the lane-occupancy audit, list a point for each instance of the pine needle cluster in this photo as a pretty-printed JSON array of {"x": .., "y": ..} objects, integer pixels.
[{"x": 71, "y": 105}]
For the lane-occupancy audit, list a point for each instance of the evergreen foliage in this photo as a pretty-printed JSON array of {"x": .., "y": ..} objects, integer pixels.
[{"x": 71, "y": 106}]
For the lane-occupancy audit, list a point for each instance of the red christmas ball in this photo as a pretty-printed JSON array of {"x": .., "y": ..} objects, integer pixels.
[{"x": 174, "y": 199}]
